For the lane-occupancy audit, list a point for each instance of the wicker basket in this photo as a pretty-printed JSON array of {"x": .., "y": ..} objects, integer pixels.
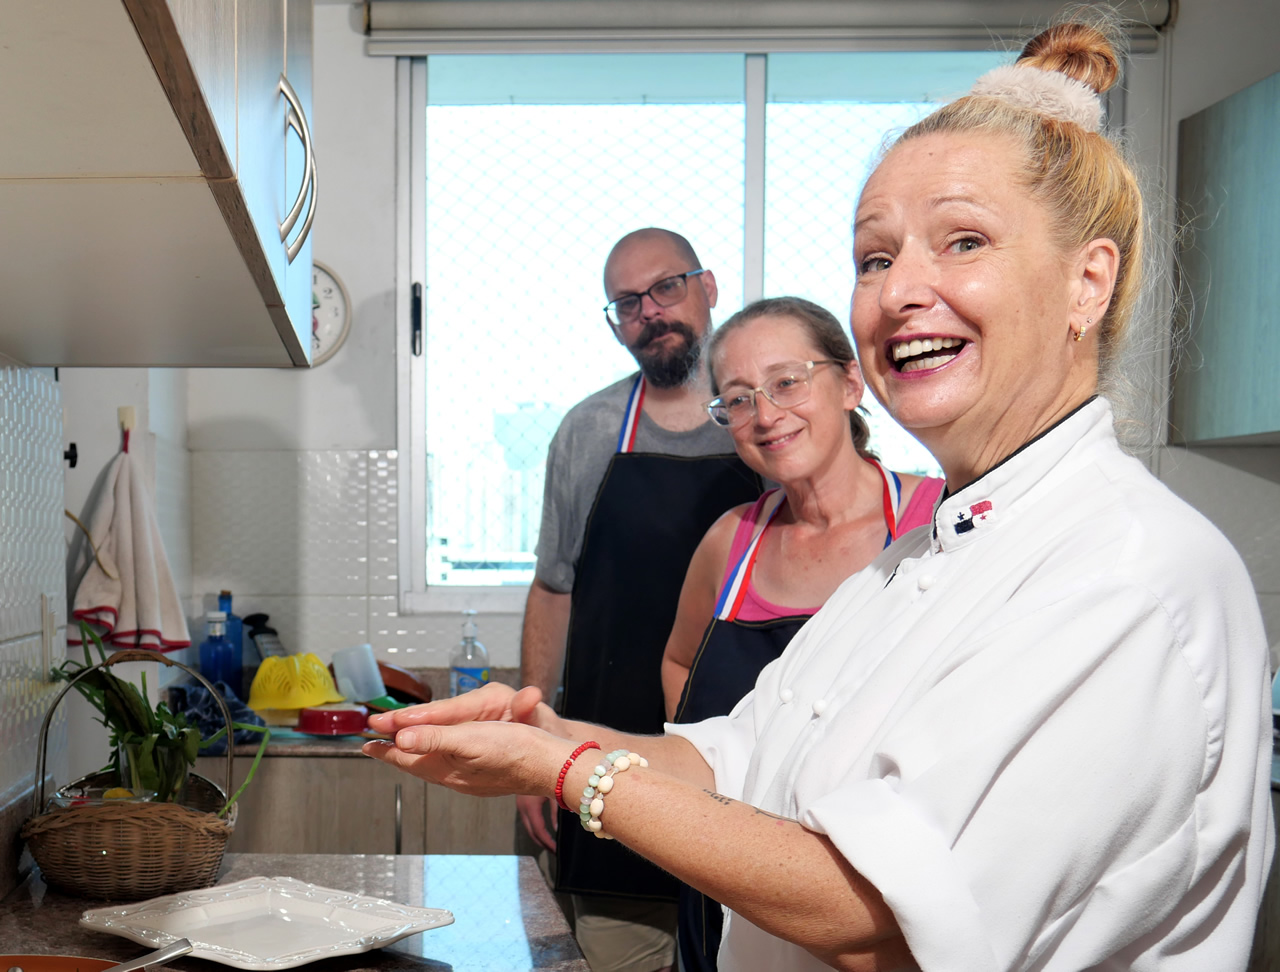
[{"x": 131, "y": 851}]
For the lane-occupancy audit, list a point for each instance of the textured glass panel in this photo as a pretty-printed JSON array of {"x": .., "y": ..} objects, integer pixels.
[
  {"x": 817, "y": 158},
  {"x": 523, "y": 204},
  {"x": 825, "y": 126}
]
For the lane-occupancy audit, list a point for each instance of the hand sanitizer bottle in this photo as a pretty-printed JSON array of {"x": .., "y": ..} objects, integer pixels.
[{"x": 469, "y": 664}]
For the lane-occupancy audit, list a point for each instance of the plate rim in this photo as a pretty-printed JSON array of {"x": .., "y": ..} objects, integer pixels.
[{"x": 115, "y": 920}]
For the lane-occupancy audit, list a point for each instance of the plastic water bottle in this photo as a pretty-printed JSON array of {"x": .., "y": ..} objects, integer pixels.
[
  {"x": 469, "y": 664},
  {"x": 219, "y": 660}
]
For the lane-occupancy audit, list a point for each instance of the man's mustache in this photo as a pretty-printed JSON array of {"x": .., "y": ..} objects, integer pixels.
[{"x": 659, "y": 329}]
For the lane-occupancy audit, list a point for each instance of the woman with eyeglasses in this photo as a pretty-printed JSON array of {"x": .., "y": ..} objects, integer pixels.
[{"x": 787, "y": 387}]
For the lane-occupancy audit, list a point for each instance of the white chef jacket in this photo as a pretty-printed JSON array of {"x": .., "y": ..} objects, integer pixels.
[{"x": 1041, "y": 730}]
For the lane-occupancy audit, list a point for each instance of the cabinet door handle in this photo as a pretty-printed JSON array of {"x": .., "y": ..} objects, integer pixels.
[
  {"x": 293, "y": 248},
  {"x": 297, "y": 120}
]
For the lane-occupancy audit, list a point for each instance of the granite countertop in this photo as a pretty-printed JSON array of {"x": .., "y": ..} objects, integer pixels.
[{"x": 505, "y": 917}]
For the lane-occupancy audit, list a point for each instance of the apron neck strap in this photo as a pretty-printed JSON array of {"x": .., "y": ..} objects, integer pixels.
[
  {"x": 631, "y": 421},
  {"x": 735, "y": 591},
  {"x": 891, "y": 499}
]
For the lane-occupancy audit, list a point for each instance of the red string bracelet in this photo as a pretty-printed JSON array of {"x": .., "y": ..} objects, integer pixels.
[{"x": 564, "y": 770}]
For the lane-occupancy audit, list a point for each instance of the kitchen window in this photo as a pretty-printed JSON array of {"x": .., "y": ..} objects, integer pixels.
[{"x": 521, "y": 170}]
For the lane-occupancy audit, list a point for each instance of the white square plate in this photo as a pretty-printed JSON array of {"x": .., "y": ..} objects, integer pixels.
[{"x": 267, "y": 923}]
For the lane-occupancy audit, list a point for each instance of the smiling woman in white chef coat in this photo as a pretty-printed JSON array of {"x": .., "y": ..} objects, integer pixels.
[{"x": 1033, "y": 736}]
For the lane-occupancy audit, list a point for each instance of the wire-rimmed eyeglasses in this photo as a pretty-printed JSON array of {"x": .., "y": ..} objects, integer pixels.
[
  {"x": 667, "y": 292},
  {"x": 787, "y": 388}
]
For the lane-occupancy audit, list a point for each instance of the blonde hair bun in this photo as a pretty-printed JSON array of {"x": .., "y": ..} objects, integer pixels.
[{"x": 1083, "y": 52}]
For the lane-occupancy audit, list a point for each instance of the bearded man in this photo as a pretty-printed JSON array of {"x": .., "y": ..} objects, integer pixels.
[{"x": 636, "y": 474}]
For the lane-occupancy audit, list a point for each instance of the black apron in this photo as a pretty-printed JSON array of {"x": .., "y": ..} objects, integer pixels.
[
  {"x": 724, "y": 669},
  {"x": 728, "y": 661},
  {"x": 650, "y": 513}
]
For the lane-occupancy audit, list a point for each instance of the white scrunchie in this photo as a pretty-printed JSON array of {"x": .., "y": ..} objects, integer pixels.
[{"x": 1049, "y": 93}]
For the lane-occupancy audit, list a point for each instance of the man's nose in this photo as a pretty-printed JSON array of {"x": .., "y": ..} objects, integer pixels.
[{"x": 650, "y": 309}]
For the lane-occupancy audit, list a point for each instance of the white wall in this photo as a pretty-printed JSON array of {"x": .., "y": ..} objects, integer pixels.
[
  {"x": 1219, "y": 47},
  {"x": 90, "y": 400}
]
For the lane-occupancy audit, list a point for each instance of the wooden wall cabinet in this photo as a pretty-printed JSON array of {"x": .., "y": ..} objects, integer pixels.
[
  {"x": 348, "y": 805},
  {"x": 1227, "y": 384},
  {"x": 151, "y": 154}
]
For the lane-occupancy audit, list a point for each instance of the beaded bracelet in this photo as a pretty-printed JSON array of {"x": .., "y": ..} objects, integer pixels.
[
  {"x": 600, "y": 783},
  {"x": 564, "y": 770}
]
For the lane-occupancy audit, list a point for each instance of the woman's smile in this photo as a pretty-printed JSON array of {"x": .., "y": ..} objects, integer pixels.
[
  {"x": 776, "y": 441},
  {"x": 917, "y": 354}
]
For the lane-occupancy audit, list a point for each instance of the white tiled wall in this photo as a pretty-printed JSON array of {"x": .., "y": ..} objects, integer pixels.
[
  {"x": 173, "y": 508},
  {"x": 31, "y": 563},
  {"x": 280, "y": 523},
  {"x": 309, "y": 538}
]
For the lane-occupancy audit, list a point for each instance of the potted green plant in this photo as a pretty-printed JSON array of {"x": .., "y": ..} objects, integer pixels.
[{"x": 152, "y": 747}]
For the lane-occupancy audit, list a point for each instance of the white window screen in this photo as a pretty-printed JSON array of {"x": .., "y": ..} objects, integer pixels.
[{"x": 536, "y": 164}]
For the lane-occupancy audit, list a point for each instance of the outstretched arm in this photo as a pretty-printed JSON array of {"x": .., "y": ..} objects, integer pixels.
[
  {"x": 787, "y": 880},
  {"x": 501, "y": 703}
]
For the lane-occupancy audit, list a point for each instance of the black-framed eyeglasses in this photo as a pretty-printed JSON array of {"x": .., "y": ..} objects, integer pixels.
[
  {"x": 787, "y": 388},
  {"x": 667, "y": 292}
]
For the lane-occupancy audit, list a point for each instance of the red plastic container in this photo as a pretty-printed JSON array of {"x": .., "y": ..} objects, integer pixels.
[{"x": 336, "y": 719}]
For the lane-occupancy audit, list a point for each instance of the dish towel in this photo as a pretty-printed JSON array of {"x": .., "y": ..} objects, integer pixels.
[{"x": 127, "y": 593}]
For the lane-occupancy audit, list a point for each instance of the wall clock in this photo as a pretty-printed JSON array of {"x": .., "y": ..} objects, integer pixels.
[{"x": 330, "y": 313}]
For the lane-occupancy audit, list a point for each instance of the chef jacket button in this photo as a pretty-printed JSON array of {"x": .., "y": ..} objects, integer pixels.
[
  {"x": 787, "y": 695},
  {"x": 819, "y": 706},
  {"x": 925, "y": 582}
]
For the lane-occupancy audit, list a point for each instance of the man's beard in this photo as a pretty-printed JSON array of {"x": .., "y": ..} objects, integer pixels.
[{"x": 667, "y": 368}]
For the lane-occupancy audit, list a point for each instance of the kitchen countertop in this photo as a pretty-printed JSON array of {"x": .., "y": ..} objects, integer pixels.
[
  {"x": 505, "y": 917},
  {"x": 288, "y": 742}
]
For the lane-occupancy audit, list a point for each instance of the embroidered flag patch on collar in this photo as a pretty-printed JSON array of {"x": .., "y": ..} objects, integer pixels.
[{"x": 978, "y": 513}]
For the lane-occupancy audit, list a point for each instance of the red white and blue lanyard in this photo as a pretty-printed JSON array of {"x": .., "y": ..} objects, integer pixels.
[
  {"x": 735, "y": 592},
  {"x": 627, "y": 436}
]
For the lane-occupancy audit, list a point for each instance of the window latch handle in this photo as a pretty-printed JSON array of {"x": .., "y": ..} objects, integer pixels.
[{"x": 416, "y": 337}]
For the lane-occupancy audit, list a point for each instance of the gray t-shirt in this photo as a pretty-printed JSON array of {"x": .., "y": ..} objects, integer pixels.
[{"x": 577, "y": 460}]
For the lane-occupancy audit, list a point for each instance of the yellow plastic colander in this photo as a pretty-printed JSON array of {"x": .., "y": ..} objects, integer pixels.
[{"x": 292, "y": 682}]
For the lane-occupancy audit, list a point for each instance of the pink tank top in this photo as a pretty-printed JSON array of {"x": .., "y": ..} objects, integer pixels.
[{"x": 919, "y": 510}]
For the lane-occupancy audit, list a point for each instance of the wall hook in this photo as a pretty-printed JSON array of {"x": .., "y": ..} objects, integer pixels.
[{"x": 71, "y": 455}]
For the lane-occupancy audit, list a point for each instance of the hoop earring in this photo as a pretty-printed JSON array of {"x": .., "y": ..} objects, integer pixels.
[{"x": 1080, "y": 333}]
